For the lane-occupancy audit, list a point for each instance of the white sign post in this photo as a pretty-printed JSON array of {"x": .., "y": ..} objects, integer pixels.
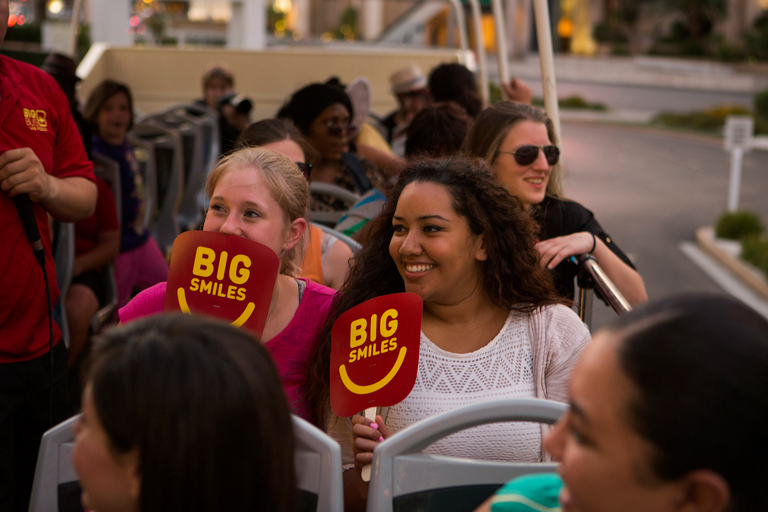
[{"x": 738, "y": 140}]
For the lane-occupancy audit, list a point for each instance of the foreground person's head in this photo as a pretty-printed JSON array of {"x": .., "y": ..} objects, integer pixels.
[
  {"x": 661, "y": 404},
  {"x": 183, "y": 413}
]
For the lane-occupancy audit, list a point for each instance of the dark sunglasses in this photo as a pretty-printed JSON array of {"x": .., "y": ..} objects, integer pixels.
[
  {"x": 526, "y": 155},
  {"x": 335, "y": 129},
  {"x": 305, "y": 168}
]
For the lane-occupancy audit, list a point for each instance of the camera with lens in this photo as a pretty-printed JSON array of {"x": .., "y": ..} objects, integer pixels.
[{"x": 242, "y": 104}]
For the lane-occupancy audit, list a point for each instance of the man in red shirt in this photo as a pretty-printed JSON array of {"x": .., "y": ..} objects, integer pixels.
[{"x": 42, "y": 155}]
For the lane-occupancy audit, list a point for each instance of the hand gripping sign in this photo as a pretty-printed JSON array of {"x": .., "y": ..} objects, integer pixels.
[
  {"x": 225, "y": 276},
  {"x": 375, "y": 355}
]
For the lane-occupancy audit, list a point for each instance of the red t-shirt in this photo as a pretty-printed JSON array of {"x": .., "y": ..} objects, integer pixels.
[
  {"x": 34, "y": 113},
  {"x": 104, "y": 219}
]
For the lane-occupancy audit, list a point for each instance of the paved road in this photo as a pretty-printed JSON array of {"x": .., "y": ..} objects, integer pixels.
[
  {"x": 652, "y": 99},
  {"x": 651, "y": 190}
]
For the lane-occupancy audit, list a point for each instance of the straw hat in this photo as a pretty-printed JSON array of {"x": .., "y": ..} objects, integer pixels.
[{"x": 409, "y": 78}]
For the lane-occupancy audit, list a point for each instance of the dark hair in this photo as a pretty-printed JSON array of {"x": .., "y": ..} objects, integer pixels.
[
  {"x": 491, "y": 127},
  {"x": 512, "y": 277},
  {"x": 454, "y": 82},
  {"x": 203, "y": 404},
  {"x": 307, "y": 103},
  {"x": 104, "y": 91},
  {"x": 218, "y": 71},
  {"x": 437, "y": 131},
  {"x": 268, "y": 131},
  {"x": 700, "y": 364}
]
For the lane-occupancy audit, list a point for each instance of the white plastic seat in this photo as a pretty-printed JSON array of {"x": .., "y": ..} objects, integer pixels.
[{"x": 404, "y": 478}]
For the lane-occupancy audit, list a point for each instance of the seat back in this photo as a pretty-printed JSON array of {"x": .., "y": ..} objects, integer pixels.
[
  {"x": 56, "y": 487},
  {"x": 354, "y": 245},
  {"x": 165, "y": 148},
  {"x": 404, "y": 478},
  {"x": 190, "y": 130},
  {"x": 317, "y": 461},
  {"x": 330, "y": 218},
  {"x": 318, "y": 469}
]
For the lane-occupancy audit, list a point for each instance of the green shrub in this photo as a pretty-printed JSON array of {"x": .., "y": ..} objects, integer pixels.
[
  {"x": 761, "y": 103},
  {"x": 27, "y": 33},
  {"x": 709, "y": 120},
  {"x": 738, "y": 225},
  {"x": 755, "y": 251},
  {"x": 571, "y": 102}
]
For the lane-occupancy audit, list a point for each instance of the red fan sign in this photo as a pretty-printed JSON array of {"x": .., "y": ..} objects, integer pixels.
[
  {"x": 220, "y": 275},
  {"x": 375, "y": 353}
]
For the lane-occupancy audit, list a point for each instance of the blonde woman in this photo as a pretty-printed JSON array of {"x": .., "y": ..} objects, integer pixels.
[{"x": 261, "y": 195}]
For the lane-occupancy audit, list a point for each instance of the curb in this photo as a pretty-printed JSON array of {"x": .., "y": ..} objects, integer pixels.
[{"x": 718, "y": 249}]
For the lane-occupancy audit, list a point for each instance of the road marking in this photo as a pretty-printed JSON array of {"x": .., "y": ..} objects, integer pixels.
[{"x": 727, "y": 281}]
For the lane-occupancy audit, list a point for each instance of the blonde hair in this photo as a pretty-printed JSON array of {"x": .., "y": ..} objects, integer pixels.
[{"x": 286, "y": 183}]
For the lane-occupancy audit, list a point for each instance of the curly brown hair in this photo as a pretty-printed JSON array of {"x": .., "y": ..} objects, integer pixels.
[{"x": 512, "y": 276}]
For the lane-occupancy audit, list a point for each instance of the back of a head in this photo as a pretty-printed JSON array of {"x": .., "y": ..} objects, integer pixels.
[
  {"x": 307, "y": 103},
  {"x": 454, "y": 82},
  {"x": 203, "y": 404},
  {"x": 437, "y": 131},
  {"x": 268, "y": 131},
  {"x": 700, "y": 363}
]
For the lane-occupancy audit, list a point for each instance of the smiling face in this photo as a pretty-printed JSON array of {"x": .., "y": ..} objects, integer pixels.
[
  {"x": 110, "y": 481},
  {"x": 435, "y": 252},
  {"x": 329, "y": 132},
  {"x": 114, "y": 118},
  {"x": 242, "y": 204},
  {"x": 528, "y": 183},
  {"x": 605, "y": 464}
]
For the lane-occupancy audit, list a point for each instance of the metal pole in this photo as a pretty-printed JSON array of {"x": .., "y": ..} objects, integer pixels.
[
  {"x": 74, "y": 27},
  {"x": 541, "y": 11},
  {"x": 733, "y": 189},
  {"x": 462, "y": 22},
  {"x": 501, "y": 44},
  {"x": 480, "y": 49}
]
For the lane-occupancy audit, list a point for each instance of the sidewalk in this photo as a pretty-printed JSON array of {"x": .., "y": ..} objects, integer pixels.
[
  {"x": 726, "y": 252},
  {"x": 645, "y": 70}
]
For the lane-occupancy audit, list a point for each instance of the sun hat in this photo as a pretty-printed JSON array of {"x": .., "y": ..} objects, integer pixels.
[{"x": 409, "y": 78}]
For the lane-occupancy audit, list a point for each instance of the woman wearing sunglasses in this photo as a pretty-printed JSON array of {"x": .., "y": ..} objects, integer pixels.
[
  {"x": 519, "y": 141},
  {"x": 323, "y": 113}
]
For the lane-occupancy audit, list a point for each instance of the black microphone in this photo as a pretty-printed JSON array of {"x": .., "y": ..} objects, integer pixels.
[{"x": 27, "y": 214}]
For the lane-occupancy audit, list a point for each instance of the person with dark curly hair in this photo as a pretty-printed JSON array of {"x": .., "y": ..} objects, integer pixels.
[
  {"x": 323, "y": 114},
  {"x": 493, "y": 325}
]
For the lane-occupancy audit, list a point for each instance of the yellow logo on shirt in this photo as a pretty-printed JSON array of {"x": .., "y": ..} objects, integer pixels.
[{"x": 36, "y": 120}]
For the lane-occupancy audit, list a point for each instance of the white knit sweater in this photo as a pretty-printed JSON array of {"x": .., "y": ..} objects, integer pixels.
[{"x": 532, "y": 356}]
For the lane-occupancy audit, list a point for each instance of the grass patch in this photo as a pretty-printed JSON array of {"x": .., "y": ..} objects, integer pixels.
[
  {"x": 710, "y": 120},
  {"x": 754, "y": 250}
]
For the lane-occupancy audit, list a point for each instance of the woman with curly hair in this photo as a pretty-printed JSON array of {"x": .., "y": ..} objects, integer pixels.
[{"x": 492, "y": 325}]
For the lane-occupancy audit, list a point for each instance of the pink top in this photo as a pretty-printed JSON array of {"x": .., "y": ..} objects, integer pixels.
[{"x": 290, "y": 349}]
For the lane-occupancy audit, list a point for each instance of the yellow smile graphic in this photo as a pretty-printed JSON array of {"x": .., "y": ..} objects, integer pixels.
[
  {"x": 237, "y": 323},
  {"x": 364, "y": 390}
]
